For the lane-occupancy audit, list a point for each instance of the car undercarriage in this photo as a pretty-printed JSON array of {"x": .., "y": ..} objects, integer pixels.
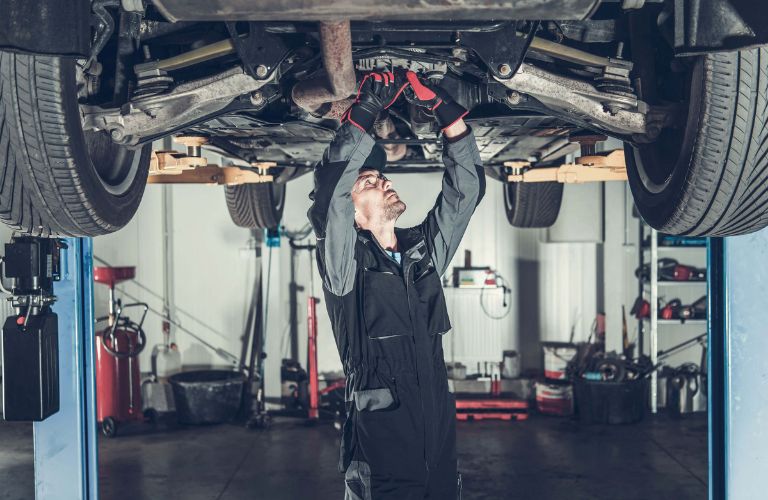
[{"x": 273, "y": 85}]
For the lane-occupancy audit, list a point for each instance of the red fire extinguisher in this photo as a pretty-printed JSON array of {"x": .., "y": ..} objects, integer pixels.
[{"x": 118, "y": 377}]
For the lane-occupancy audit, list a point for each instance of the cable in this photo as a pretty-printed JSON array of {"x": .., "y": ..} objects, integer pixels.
[
  {"x": 300, "y": 234},
  {"x": 160, "y": 298},
  {"x": 220, "y": 351},
  {"x": 2, "y": 273},
  {"x": 505, "y": 291}
]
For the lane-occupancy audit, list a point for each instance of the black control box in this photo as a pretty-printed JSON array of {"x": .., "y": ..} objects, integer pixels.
[
  {"x": 30, "y": 367},
  {"x": 33, "y": 263}
]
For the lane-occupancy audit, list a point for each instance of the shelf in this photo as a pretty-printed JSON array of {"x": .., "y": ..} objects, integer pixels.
[
  {"x": 678, "y": 322},
  {"x": 667, "y": 249},
  {"x": 680, "y": 283},
  {"x": 675, "y": 283}
]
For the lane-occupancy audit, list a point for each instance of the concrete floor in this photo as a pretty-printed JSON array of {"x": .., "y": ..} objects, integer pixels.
[{"x": 542, "y": 458}]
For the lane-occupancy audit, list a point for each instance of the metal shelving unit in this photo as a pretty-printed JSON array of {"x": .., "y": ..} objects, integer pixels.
[{"x": 654, "y": 321}]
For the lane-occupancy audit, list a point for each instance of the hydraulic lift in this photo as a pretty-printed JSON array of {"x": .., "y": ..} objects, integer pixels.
[{"x": 65, "y": 443}]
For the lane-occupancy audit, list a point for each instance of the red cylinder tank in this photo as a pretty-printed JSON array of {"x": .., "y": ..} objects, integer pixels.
[{"x": 118, "y": 378}]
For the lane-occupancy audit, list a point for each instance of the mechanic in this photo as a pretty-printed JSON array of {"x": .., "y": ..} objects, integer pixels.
[{"x": 384, "y": 296}]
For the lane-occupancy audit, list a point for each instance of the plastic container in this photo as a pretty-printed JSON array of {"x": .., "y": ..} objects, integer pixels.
[
  {"x": 166, "y": 360},
  {"x": 207, "y": 396},
  {"x": 510, "y": 364},
  {"x": 611, "y": 402},
  {"x": 554, "y": 398},
  {"x": 557, "y": 355}
]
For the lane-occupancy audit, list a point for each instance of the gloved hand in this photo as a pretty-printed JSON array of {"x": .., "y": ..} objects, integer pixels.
[
  {"x": 435, "y": 99},
  {"x": 377, "y": 92}
]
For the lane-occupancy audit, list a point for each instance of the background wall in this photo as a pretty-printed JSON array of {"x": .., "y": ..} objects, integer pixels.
[
  {"x": 557, "y": 287},
  {"x": 554, "y": 285}
]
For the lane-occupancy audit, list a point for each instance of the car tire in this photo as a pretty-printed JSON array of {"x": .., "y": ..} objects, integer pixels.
[
  {"x": 55, "y": 178},
  {"x": 256, "y": 206},
  {"x": 532, "y": 204},
  {"x": 710, "y": 177}
]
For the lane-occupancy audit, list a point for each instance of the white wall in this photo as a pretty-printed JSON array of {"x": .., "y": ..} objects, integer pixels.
[
  {"x": 556, "y": 287},
  {"x": 212, "y": 274}
]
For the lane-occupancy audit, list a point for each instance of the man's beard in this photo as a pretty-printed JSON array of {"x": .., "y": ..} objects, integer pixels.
[{"x": 394, "y": 210}]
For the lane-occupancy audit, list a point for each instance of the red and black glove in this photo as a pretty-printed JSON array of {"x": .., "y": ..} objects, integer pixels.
[
  {"x": 377, "y": 92},
  {"x": 435, "y": 99}
]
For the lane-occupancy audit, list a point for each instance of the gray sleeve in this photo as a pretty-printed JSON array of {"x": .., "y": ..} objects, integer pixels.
[
  {"x": 332, "y": 213},
  {"x": 463, "y": 188}
]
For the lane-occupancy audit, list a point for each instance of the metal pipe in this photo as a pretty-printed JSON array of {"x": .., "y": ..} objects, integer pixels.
[
  {"x": 339, "y": 81},
  {"x": 566, "y": 53},
  {"x": 205, "y": 53}
]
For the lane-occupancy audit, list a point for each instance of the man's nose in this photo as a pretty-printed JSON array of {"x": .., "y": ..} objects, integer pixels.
[{"x": 386, "y": 185}]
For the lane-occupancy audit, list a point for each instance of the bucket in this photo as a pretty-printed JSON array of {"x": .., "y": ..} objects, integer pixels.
[
  {"x": 611, "y": 402},
  {"x": 557, "y": 355},
  {"x": 554, "y": 399},
  {"x": 207, "y": 396}
]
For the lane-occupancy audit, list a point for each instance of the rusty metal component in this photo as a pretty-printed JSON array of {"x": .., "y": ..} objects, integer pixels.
[
  {"x": 608, "y": 167},
  {"x": 386, "y": 130},
  {"x": 505, "y": 69},
  {"x": 587, "y": 142},
  {"x": 404, "y": 10},
  {"x": 339, "y": 81},
  {"x": 337, "y": 109},
  {"x": 615, "y": 113}
]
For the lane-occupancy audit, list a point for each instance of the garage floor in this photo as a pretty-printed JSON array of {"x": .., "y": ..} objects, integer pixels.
[{"x": 543, "y": 458}]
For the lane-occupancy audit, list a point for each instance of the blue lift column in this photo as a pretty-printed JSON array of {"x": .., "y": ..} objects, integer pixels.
[
  {"x": 66, "y": 453},
  {"x": 738, "y": 367}
]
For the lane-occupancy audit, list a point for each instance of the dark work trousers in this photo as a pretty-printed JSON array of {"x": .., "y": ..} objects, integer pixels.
[{"x": 389, "y": 463}]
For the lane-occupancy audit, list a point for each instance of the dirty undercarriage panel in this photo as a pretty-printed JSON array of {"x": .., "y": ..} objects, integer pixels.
[
  {"x": 319, "y": 10},
  {"x": 499, "y": 139}
]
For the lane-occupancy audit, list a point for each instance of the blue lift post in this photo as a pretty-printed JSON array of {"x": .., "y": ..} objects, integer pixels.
[
  {"x": 66, "y": 452},
  {"x": 738, "y": 367}
]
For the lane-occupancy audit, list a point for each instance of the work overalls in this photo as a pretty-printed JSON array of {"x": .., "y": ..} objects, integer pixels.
[{"x": 388, "y": 319}]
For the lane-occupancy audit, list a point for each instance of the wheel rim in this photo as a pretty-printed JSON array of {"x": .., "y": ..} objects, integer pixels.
[
  {"x": 657, "y": 163},
  {"x": 116, "y": 166}
]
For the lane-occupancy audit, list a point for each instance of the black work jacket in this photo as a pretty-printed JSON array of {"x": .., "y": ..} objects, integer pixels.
[{"x": 388, "y": 318}]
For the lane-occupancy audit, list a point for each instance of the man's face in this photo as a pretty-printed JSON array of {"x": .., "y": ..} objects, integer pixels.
[{"x": 374, "y": 198}]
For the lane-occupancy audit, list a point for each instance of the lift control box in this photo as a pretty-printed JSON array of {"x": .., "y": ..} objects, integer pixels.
[
  {"x": 31, "y": 368},
  {"x": 29, "y": 340}
]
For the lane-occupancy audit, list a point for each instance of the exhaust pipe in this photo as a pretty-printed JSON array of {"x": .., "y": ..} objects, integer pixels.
[{"x": 322, "y": 95}]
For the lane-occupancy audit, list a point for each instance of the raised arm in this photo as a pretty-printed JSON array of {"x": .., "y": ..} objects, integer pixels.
[
  {"x": 463, "y": 188},
  {"x": 463, "y": 180},
  {"x": 332, "y": 213}
]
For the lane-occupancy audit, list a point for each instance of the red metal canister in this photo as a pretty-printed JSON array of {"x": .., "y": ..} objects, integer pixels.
[{"x": 118, "y": 379}]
